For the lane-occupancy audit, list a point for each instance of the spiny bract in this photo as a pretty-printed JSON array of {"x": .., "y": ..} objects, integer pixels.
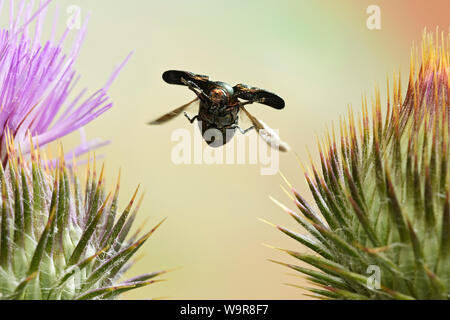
[
  {"x": 382, "y": 229},
  {"x": 58, "y": 241}
]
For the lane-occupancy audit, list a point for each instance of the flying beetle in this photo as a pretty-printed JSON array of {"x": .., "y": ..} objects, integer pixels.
[{"x": 220, "y": 108}]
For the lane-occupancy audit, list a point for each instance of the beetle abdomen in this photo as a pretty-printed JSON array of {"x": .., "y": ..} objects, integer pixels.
[{"x": 214, "y": 136}]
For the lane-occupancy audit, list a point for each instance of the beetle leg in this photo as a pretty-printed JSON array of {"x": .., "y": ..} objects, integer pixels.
[
  {"x": 195, "y": 88},
  {"x": 191, "y": 120},
  {"x": 242, "y": 130}
]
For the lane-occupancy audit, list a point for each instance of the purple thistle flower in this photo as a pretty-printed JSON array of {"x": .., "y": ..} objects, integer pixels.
[
  {"x": 58, "y": 241},
  {"x": 36, "y": 80}
]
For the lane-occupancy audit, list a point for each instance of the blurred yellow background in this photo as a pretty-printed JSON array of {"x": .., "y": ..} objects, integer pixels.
[{"x": 318, "y": 55}]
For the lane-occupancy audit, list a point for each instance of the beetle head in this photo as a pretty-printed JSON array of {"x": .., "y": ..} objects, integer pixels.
[
  {"x": 218, "y": 96},
  {"x": 221, "y": 93}
]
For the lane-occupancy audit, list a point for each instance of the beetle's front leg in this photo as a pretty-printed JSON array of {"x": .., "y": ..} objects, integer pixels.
[
  {"x": 242, "y": 130},
  {"x": 191, "y": 120},
  {"x": 195, "y": 88}
]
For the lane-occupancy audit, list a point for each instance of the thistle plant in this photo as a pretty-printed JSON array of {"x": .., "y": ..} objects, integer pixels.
[
  {"x": 380, "y": 227},
  {"x": 36, "y": 80},
  {"x": 59, "y": 240}
]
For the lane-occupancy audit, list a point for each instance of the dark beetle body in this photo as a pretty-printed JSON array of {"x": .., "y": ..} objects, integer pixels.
[
  {"x": 222, "y": 117},
  {"x": 219, "y": 104}
]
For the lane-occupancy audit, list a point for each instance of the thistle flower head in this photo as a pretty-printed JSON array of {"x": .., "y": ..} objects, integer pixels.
[
  {"x": 381, "y": 225},
  {"x": 60, "y": 240},
  {"x": 36, "y": 79}
]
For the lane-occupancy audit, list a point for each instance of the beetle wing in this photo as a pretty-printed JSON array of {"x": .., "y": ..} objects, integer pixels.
[
  {"x": 175, "y": 113},
  {"x": 265, "y": 132},
  {"x": 176, "y": 76},
  {"x": 246, "y": 92}
]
